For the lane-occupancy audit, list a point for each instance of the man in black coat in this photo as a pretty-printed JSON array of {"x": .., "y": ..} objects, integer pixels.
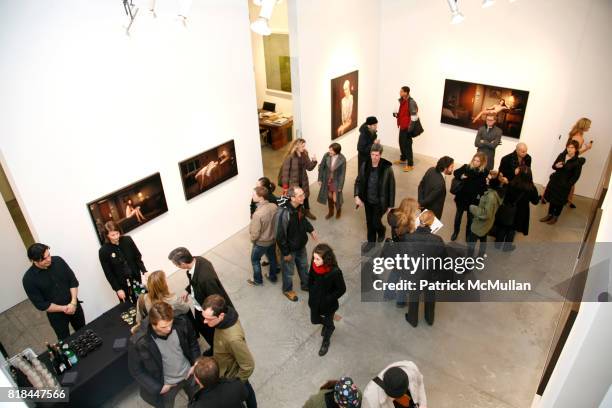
[
  {"x": 487, "y": 139},
  {"x": 216, "y": 392},
  {"x": 203, "y": 282},
  {"x": 161, "y": 355},
  {"x": 367, "y": 137},
  {"x": 375, "y": 190},
  {"x": 422, "y": 243},
  {"x": 432, "y": 188},
  {"x": 121, "y": 260},
  {"x": 510, "y": 163}
]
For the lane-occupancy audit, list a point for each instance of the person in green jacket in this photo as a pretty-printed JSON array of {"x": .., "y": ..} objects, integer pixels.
[
  {"x": 341, "y": 393},
  {"x": 484, "y": 214}
]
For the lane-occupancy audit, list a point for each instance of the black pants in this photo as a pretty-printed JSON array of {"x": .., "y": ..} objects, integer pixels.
[
  {"x": 459, "y": 217},
  {"x": 413, "y": 306},
  {"x": 376, "y": 230},
  {"x": 306, "y": 203},
  {"x": 326, "y": 320},
  {"x": 405, "y": 144},
  {"x": 505, "y": 234},
  {"x": 361, "y": 158},
  {"x": 205, "y": 330},
  {"x": 555, "y": 210},
  {"x": 471, "y": 240},
  {"x": 251, "y": 401},
  {"x": 59, "y": 322}
]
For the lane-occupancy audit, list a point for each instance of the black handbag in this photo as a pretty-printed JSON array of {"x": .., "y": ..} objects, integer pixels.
[
  {"x": 456, "y": 186},
  {"x": 417, "y": 129}
]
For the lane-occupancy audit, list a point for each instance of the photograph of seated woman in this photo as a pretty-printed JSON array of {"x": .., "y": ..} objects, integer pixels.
[
  {"x": 493, "y": 109},
  {"x": 131, "y": 211},
  {"x": 213, "y": 170}
]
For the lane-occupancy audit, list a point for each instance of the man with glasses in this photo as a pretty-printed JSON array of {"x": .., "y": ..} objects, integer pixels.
[
  {"x": 52, "y": 287},
  {"x": 487, "y": 139}
]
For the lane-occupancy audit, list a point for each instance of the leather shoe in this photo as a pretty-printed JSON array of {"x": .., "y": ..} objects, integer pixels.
[
  {"x": 454, "y": 236},
  {"x": 324, "y": 347},
  {"x": 546, "y": 219},
  {"x": 310, "y": 215},
  {"x": 553, "y": 220},
  {"x": 291, "y": 296}
]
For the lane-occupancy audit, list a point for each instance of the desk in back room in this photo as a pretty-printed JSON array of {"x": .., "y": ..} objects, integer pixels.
[{"x": 279, "y": 135}]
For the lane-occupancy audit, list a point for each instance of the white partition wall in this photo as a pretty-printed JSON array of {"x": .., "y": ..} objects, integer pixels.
[{"x": 87, "y": 110}]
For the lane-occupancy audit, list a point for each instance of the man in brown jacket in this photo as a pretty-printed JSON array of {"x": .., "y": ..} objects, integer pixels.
[
  {"x": 263, "y": 233},
  {"x": 230, "y": 348}
]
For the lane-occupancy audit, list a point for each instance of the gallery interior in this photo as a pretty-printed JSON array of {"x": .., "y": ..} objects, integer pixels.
[{"x": 172, "y": 110}]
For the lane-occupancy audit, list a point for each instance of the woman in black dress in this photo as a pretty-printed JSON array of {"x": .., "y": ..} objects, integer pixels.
[
  {"x": 473, "y": 178},
  {"x": 567, "y": 169},
  {"x": 325, "y": 287}
]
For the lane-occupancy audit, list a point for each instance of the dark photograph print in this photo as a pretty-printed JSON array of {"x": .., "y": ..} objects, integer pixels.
[
  {"x": 344, "y": 98},
  {"x": 129, "y": 207},
  {"x": 208, "y": 169},
  {"x": 467, "y": 105}
]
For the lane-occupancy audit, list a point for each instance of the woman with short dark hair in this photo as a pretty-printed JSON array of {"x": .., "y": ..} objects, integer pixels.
[
  {"x": 325, "y": 286},
  {"x": 332, "y": 171}
]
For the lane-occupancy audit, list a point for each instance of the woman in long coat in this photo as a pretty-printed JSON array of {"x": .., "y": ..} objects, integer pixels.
[
  {"x": 567, "y": 168},
  {"x": 332, "y": 171},
  {"x": 473, "y": 178},
  {"x": 293, "y": 171}
]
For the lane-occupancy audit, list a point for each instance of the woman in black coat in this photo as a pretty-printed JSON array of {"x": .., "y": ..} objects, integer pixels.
[
  {"x": 121, "y": 261},
  {"x": 519, "y": 193},
  {"x": 325, "y": 287},
  {"x": 567, "y": 168},
  {"x": 474, "y": 183}
]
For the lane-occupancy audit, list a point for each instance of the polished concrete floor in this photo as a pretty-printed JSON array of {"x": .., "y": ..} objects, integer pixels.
[{"x": 475, "y": 355}]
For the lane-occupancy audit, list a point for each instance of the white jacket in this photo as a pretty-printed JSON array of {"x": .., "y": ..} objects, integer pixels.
[{"x": 375, "y": 397}]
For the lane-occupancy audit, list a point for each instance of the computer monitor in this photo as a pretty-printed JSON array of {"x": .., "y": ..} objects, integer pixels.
[{"x": 269, "y": 106}]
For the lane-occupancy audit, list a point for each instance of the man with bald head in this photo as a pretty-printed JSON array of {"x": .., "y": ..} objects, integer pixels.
[{"x": 510, "y": 163}]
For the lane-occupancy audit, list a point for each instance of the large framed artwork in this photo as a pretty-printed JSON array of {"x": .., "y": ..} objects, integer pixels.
[
  {"x": 344, "y": 103},
  {"x": 467, "y": 104},
  {"x": 129, "y": 207},
  {"x": 208, "y": 169},
  {"x": 277, "y": 62}
]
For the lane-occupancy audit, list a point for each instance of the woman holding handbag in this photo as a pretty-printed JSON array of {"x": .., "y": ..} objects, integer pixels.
[
  {"x": 471, "y": 185},
  {"x": 293, "y": 171}
]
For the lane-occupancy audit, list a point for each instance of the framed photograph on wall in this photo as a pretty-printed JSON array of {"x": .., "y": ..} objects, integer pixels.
[
  {"x": 129, "y": 207},
  {"x": 277, "y": 62},
  {"x": 467, "y": 104},
  {"x": 344, "y": 104},
  {"x": 208, "y": 169}
]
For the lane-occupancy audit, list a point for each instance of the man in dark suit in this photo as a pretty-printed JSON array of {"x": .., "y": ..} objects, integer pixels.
[
  {"x": 203, "y": 282},
  {"x": 432, "y": 188},
  {"x": 510, "y": 163},
  {"x": 487, "y": 139}
]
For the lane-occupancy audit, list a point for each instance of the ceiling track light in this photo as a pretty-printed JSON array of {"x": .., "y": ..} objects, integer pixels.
[
  {"x": 487, "y": 3},
  {"x": 260, "y": 26},
  {"x": 456, "y": 17}
]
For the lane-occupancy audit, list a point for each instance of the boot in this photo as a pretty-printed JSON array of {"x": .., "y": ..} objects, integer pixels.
[
  {"x": 338, "y": 212},
  {"x": 454, "y": 236},
  {"x": 310, "y": 215},
  {"x": 553, "y": 220},
  {"x": 330, "y": 207},
  {"x": 546, "y": 219},
  {"x": 324, "y": 347}
]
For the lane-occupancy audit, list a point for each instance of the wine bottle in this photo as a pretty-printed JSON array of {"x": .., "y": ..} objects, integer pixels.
[
  {"x": 64, "y": 363},
  {"x": 72, "y": 357}
]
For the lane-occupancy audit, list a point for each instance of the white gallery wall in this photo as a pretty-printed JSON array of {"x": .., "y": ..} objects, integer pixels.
[
  {"x": 86, "y": 110},
  {"x": 330, "y": 39},
  {"x": 279, "y": 23},
  {"x": 555, "y": 49},
  {"x": 14, "y": 261}
]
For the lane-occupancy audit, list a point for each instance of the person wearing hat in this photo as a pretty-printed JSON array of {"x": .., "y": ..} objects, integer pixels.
[
  {"x": 398, "y": 385},
  {"x": 341, "y": 393},
  {"x": 367, "y": 137}
]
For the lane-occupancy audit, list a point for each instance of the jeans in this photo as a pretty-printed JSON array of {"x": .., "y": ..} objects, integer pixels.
[
  {"x": 256, "y": 253},
  {"x": 376, "y": 230},
  {"x": 300, "y": 259},
  {"x": 405, "y": 144},
  {"x": 190, "y": 387},
  {"x": 251, "y": 401},
  {"x": 459, "y": 217}
]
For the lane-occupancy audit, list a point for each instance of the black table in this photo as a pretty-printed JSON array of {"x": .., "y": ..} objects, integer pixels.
[{"x": 103, "y": 373}]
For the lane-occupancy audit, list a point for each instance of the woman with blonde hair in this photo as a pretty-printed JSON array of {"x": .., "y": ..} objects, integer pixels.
[
  {"x": 473, "y": 183},
  {"x": 293, "y": 171},
  {"x": 402, "y": 219},
  {"x": 158, "y": 291},
  {"x": 581, "y": 126}
]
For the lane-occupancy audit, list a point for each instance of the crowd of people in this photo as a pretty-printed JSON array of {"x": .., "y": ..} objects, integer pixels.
[{"x": 164, "y": 353}]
